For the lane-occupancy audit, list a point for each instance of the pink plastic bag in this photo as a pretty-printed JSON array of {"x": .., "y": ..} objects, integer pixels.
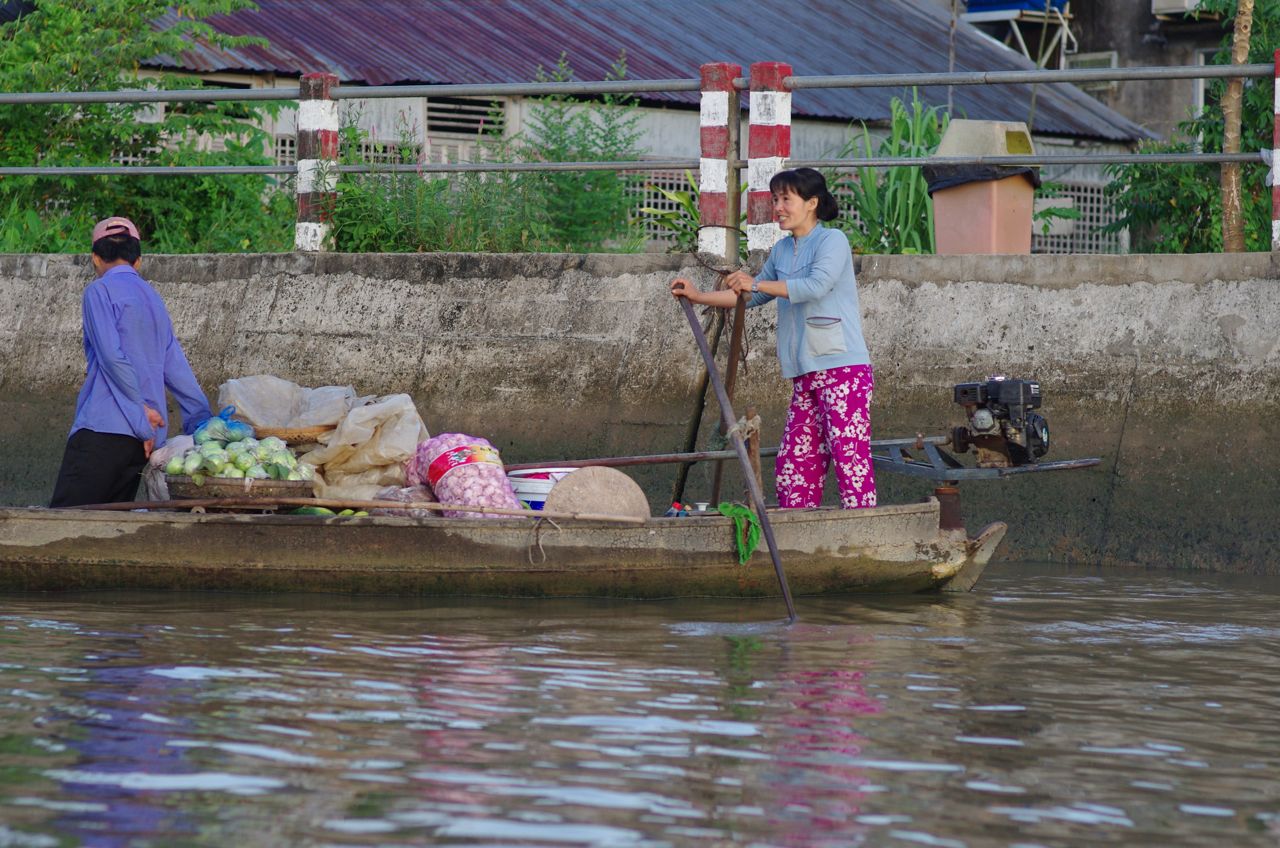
[{"x": 462, "y": 470}]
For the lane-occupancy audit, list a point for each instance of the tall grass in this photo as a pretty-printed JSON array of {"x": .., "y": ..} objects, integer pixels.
[{"x": 894, "y": 213}]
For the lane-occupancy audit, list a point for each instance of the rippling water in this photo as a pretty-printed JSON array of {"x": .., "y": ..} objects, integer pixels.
[{"x": 1047, "y": 708}]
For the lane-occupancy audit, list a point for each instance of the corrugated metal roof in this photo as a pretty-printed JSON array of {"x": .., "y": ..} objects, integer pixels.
[{"x": 381, "y": 42}]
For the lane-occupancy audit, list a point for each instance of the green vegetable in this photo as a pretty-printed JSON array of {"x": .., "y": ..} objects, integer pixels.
[
  {"x": 192, "y": 462},
  {"x": 174, "y": 466},
  {"x": 312, "y": 510}
]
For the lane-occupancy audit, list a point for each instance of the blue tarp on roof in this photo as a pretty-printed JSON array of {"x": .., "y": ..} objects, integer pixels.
[{"x": 1014, "y": 5}]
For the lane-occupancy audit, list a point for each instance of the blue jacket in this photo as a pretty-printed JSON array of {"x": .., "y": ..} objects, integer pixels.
[
  {"x": 132, "y": 356},
  {"x": 819, "y": 323}
]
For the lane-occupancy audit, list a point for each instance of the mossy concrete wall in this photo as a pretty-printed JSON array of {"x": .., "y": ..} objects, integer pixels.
[{"x": 1163, "y": 366}]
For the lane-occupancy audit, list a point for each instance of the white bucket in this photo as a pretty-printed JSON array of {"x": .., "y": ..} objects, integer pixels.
[{"x": 532, "y": 485}]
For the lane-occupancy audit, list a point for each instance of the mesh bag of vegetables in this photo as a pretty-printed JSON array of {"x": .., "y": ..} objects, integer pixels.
[{"x": 463, "y": 470}]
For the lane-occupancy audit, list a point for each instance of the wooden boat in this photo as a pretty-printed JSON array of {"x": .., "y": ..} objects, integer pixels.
[{"x": 900, "y": 548}]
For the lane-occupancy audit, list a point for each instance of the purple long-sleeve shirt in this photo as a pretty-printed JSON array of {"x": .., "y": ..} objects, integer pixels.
[{"x": 132, "y": 356}]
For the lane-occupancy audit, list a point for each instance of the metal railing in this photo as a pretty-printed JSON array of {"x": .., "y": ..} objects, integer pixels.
[
  {"x": 596, "y": 88},
  {"x": 584, "y": 89}
]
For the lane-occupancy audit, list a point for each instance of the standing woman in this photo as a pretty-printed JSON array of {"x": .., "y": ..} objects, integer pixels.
[{"x": 820, "y": 345}]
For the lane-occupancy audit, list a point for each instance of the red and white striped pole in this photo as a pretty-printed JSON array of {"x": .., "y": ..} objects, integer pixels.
[
  {"x": 768, "y": 147},
  {"x": 1275, "y": 164},
  {"x": 317, "y": 161},
  {"x": 718, "y": 201}
]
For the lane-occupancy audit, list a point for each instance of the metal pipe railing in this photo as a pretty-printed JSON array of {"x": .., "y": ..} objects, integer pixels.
[
  {"x": 639, "y": 165},
  {"x": 1072, "y": 75},
  {"x": 552, "y": 89},
  {"x": 308, "y": 171}
]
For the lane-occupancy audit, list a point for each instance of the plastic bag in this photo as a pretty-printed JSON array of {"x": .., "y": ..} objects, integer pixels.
[
  {"x": 463, "y": 470},
  {"x": 367, "y": 450},
  {"x": 407, "y": 495},
  {"x": 222, "y": 428},
  {"x": 267, "y": 401},
  {"x": 153, "y": 482}
]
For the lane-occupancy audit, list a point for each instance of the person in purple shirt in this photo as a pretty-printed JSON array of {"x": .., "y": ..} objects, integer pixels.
[{"x": 132, "y": 356}]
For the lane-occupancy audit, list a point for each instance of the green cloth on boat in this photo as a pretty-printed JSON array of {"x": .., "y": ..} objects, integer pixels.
[{"x": 746, "y": 529}]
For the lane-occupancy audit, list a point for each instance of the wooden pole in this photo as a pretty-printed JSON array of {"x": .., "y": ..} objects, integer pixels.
[
  {"x": 752, "y": 419},
  {"x": 689, "y": 457},
  {"x": 699, "y": 406},
  {"x": 730, "y": 379},
  {"x": 726, "y": 414},
  {"x": 329, "y": 503},
  {"x": 1232, "y": 216}
]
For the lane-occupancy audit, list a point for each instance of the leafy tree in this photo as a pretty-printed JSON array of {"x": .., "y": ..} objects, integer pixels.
[
  {"x": 588, "y": 210},
  {"x": 102, "y": 45},
  {"x": 1177, "y": 208}
]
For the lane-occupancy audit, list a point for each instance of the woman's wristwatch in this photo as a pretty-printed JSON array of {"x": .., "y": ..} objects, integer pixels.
[{"x": 755, "y": 286}]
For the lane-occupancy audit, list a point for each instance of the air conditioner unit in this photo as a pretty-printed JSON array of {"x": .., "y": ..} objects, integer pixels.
[{"x": 1174, "y": 7}]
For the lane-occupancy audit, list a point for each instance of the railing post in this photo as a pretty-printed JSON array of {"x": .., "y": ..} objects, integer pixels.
[
  {"x": 718, "y": 187},
  {"x": 317, "y": 158},
  {"x": 768, "y": 147},
  {"x": 1275, "y": 163}
]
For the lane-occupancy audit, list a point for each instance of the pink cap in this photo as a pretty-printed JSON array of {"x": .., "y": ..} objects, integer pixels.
[{"x": 116, "y": 226}]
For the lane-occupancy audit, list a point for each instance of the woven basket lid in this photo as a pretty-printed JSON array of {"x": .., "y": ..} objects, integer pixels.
[{"x": 600, "y": 490}]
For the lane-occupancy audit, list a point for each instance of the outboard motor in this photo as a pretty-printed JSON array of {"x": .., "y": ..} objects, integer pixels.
[{"x": 1001, "y": 426}]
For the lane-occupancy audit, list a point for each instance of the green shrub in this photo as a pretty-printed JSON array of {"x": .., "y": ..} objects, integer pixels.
[
  {"x": 99, "y": 45},
  {"x": 1177, "y": 208}
]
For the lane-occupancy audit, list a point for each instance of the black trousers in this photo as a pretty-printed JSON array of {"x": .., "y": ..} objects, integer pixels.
[{"x": 98, "y": 468}]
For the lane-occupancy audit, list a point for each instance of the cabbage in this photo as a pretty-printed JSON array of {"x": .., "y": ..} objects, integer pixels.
[
  {"x": 257, "y": 472},
  {"x": 244, "y": 461},
  {"x": 273, "y": 443},
  {"x": 306, "y": 471},
  {"x": 232, "y": 473},
  {"x": 191, "y": 463},
  {"x": 284, "y": 458},
  {"x": 174, "y": 467}
]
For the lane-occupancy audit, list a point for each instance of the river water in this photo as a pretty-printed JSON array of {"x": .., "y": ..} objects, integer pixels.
[{"x": 1048, "y": 707}]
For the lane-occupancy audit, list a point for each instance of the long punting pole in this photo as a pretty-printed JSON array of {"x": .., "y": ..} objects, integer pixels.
[
  {"x": 730, "y": 420},
  {"x": 330, "y": 503}
]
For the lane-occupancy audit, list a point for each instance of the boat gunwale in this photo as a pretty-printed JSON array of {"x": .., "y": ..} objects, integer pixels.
[{"x": 821, "y": 515}]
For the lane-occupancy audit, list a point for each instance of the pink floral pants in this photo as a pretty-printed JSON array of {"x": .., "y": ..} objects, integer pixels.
[{"x": 828, "y": 422}]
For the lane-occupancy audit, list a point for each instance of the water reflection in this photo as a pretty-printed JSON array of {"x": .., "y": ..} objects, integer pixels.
[{"x": 1048, "y": 708}]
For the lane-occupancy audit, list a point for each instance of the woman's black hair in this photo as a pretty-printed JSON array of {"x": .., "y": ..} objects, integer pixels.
[
  {"x": 806, "y": 183},
  {"x": 113, "y": 247}
]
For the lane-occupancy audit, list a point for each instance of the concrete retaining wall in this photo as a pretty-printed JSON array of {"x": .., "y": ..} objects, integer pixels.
[{"x": 1166, "y": 367}]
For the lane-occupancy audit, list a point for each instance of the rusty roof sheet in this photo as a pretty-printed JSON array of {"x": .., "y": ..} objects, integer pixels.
[{"x": 379, "y": 42}]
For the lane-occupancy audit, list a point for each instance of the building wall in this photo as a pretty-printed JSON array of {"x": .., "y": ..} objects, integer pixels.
[
  {"x": 1165, "y": 367},
  {"x": 1140, "y": 39}
]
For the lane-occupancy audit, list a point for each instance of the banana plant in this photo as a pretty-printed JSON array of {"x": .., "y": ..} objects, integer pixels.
[
  {"x": 892, "y": 211},
  {"x": 681, "y": 223}
]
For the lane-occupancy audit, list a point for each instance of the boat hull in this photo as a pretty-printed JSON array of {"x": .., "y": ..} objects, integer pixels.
[{"x": 886, "y": 549}]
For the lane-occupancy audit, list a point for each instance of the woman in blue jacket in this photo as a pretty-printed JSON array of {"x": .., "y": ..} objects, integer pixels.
[{"x": 820, "y": 344}]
